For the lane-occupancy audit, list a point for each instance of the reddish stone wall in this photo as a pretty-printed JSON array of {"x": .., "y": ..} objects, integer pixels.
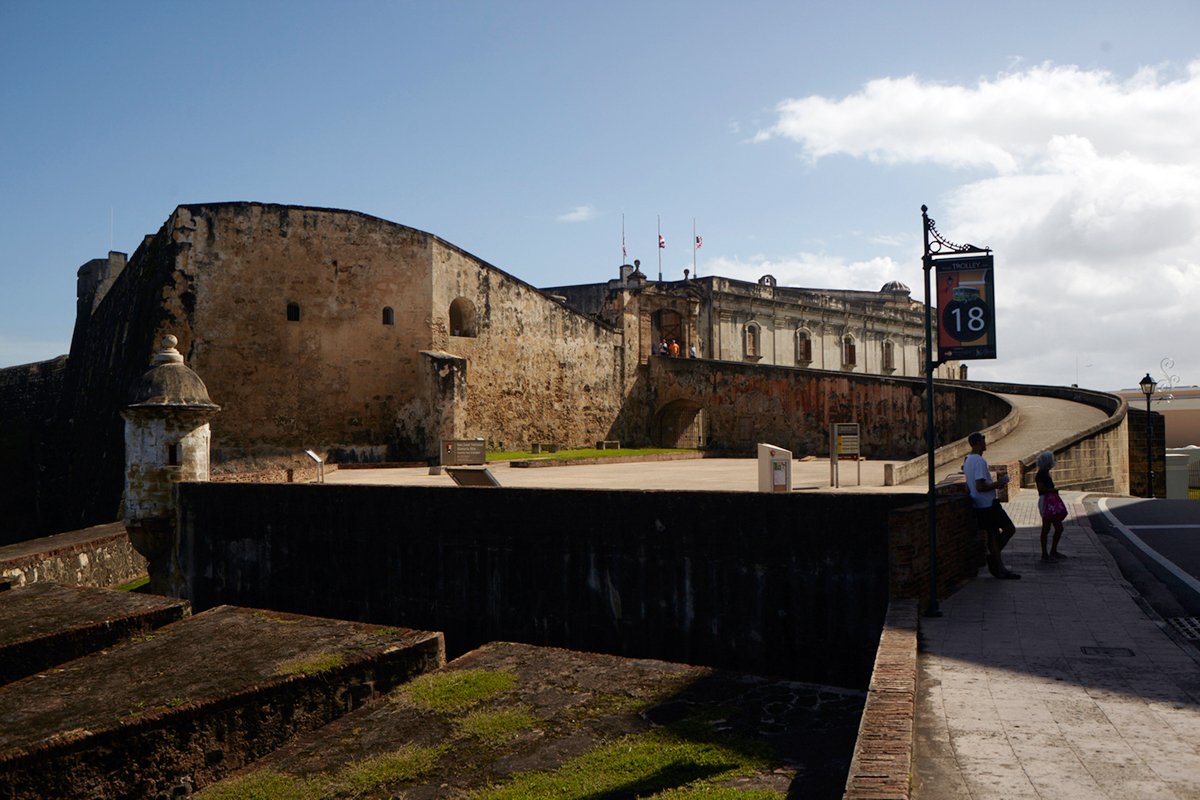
[{"x": 794, "y": 408}]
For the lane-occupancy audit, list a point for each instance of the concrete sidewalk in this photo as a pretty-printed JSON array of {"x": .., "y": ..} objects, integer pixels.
[{"x": 1058, "y": 685}]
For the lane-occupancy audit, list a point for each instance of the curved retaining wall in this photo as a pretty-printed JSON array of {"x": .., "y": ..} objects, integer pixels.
[
  {"x": 1092, "y": 460},
  {"x": 745, "y": 404}
]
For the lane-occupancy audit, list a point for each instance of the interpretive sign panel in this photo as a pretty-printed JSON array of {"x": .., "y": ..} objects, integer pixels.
[
  {"x": 456, "y": 452},
  {"x": 966, "y": 311}
]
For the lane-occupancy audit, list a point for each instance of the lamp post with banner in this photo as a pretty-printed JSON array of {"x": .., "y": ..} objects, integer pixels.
[{"x": 966, "y": 330}]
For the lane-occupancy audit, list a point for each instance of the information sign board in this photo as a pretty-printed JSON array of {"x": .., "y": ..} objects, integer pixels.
[{"x": 966, "y": 310}]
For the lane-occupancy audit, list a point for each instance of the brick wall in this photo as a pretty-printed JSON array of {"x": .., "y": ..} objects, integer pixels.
[
  {"x": 881, "y": 767},
  {"x": 960, "y": 548}
]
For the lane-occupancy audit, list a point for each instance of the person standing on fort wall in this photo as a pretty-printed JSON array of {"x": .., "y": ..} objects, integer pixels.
[{"x": 991, "y": 517}]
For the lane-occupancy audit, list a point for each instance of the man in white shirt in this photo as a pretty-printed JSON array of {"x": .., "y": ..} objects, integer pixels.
[{"x": 991, "y": 517}]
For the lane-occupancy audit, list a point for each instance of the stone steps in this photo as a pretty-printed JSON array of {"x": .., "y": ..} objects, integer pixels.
[
  {"x": 539, "y": 721},
  {"x": 191, "y": 702},
  {"x": 46, "y": 624}
]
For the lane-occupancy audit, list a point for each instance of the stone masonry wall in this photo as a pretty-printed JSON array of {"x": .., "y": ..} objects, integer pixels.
[
  {"x": 794, "y": 408},
  {"x": 97, "y": 556},
  {"x": 338, "y": 377},
  {"x": 537, "y": 370}
]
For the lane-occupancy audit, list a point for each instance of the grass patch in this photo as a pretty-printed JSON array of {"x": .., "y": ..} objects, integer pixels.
[
  {"x": 406, "y": 764},
  {"x": 135, "y": 585},
  {"x": 1193, "y": 494},
  {"x": 264, "y": 785},
  {"x": 718, "y": 793},
  {"x": 657, "y": 764},
  {"x": 452, "y": 691},
  {"x": 587, "y": 452},
  {"x": 497, "y": 727},
  {"x": 357, "y": 778},
  {"x": 311, "y": 666}
]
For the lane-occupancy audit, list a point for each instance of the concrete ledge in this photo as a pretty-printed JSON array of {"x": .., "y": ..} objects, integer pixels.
[
  {"x": 573, "y": 462},
  {"x": 881, "y": 767},
  {"x": 195, "y": 701},
  {"x": 45, "y": 624}
]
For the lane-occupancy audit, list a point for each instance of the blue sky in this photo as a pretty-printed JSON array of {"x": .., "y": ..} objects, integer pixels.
[{"x": 802, "y": 137}]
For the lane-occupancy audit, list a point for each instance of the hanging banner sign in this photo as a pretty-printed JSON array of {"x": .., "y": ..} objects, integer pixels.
[{"x": 966, "y": 314}]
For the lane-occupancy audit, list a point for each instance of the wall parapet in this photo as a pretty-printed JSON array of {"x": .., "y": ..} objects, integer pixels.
[{"x": 881, "y": 766}]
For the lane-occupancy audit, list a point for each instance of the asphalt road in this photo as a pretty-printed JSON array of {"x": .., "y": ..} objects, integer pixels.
[{"x": 1165, "y": 537}]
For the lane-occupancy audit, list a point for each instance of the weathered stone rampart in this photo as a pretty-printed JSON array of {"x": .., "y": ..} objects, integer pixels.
[
  {"x": 794, "y": 408},
  {"x": 97, "y": 556}
]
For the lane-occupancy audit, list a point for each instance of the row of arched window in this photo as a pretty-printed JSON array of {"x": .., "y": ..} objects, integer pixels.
[
  {"x": 753, "y": 348},
  {"x": 462, "y": 320}
]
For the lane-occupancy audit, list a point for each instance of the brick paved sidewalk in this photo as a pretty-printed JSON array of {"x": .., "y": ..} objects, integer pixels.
[{"x": 1057, "y": 686}]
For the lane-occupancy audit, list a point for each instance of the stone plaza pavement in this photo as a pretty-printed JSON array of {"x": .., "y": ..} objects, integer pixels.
[{"x": 1059, "y": 685}]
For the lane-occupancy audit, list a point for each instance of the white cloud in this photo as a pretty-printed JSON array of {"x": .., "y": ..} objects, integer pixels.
[
  {"x": 1091, "y": 206},
  {"x": 578, "y": 214}
]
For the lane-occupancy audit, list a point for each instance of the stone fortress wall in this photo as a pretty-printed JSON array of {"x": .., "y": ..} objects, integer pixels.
[{"x": 365, "y": 340}]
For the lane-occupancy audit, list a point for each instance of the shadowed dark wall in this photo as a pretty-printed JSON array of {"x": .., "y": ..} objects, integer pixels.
[{"x": 792, "y": 585}]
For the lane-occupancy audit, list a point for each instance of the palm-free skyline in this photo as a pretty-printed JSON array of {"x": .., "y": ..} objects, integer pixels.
[{"x": 802, "y": 138}]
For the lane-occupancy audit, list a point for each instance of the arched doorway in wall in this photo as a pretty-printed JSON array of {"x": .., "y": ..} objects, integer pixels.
[
  {"x": 681, "y": 423},
  {"x": 463, "y": 320},
  {"x": 668, "y": 325}
]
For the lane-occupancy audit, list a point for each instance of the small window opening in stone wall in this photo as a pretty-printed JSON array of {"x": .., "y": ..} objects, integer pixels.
[
  {"x": 462, "y": 317},
  {"x": 889, "y": 356},
  {"x": 389, "y": 316},
  {"x": 803, "y": 347},
  {"x": 293, "y": 312},
  {"x": 173, "y": 455},
  {"x": 753, "y": 341},
  {"x": 849, "y": 355}
]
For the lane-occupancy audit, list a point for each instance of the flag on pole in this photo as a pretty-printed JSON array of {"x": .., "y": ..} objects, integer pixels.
[
  {"x": 624, "y": 254},
  {"x": 699, "y": 242},
  {"x": 662, "y": 242}
]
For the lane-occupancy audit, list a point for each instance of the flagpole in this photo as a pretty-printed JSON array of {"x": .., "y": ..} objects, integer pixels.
[
  {"x": 624, "y": 254},
  {"x": 660, "y": 248}
]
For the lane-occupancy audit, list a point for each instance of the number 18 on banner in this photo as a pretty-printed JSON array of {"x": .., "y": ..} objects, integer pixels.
[{"x": 966, "y": 315}]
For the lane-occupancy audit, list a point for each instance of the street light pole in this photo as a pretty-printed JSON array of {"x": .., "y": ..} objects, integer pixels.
[
  {"x": 1147, "y": 383},
  {"x": 933, "y": 610}
]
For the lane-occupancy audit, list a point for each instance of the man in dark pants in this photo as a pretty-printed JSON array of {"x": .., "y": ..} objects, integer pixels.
[{"x": 990, "y": 515}]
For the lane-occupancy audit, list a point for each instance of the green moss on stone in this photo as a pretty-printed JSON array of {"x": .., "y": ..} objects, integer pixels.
[
  {"x": 314, "y": 665},
  {"x": 496, "y": 727},
  {"x": 265, "y": 785},
  {"x": 457, "y": 690},
  {"x": 645, "y": 765}
]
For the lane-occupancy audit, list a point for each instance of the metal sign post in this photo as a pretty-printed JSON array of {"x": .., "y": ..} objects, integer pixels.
[
  {"x": 844, "y": 445},
  {"x": 966, "y": 330}
]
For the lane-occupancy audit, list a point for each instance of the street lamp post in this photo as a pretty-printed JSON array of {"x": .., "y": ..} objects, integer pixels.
[{"x": 1147, "y": 383}]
